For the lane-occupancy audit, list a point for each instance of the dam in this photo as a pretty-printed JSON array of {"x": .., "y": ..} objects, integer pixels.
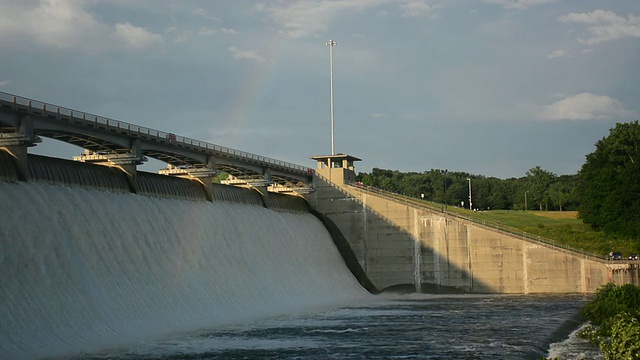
[
  {"x": 385, "y": 241},
  {"x": 89, "y": 265},
  {"x": 95, "y": 266},
  {"x": 96, "y": 254}
]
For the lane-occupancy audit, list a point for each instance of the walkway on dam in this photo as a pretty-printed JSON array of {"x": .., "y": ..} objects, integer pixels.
[{"x": 107, "y": 141}]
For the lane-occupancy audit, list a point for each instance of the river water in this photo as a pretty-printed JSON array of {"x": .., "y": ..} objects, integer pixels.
[{"x": 412, "y": 326}]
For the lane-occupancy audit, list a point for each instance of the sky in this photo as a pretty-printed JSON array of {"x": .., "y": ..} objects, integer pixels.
[{"x": 493, "y": 87}]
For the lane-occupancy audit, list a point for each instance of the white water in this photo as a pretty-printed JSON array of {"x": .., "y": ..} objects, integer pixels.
[{"x": 83, "y": 270}]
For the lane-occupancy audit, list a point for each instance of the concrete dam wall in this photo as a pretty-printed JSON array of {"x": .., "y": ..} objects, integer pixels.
[{"x": 399, "y": 245}]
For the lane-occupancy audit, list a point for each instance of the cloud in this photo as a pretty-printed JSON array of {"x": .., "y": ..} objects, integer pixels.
[
  {"x": 246, "y": 55},
  {"x": 135, "y": 38},
  {"x": 205, "y": 31},
  {"x": 298, "y": 19},
  {"x": 519, "y": 4},
  {"x": 200, "y": 12},
  {"x": 230, "y": 31},
  {"x": 68, "y": 24},
  {"x": 203, "y": 14},
  {"x": 5, "y": 82},
  {"x": 378, "y": 115},
  {"x": 178, "y": 36},
  {"x": 418, "y": 9},
  {"x": 604, "y": 25},
  {"x": 585, "y": 106},
  {"x": 558, "y": 53}
]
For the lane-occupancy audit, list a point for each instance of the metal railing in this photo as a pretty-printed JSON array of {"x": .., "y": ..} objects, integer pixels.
[
  {"x": 58, "y": 113},
  {"x": 484, "y": 223}
]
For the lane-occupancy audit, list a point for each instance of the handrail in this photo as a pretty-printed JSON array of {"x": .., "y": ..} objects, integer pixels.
[
  {"x": 488, "y": 224},
  {"x": 54, "y": 112}
]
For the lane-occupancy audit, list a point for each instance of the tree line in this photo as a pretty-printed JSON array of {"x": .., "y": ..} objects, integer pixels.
[
  {"x": 538, "y": 190},
  {"x": 605, "y": 192}
]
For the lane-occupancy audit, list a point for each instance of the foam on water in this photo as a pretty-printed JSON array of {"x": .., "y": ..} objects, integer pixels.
[
  {"x": 575, "y": 347},
  {"x": 85, "y": 269}
]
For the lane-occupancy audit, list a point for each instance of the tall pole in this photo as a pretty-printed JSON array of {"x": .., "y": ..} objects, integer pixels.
[
  {"x": 331, "y": 44},
  {"x": 470, "y": 205},
  {"x": 445, "y": 189}
]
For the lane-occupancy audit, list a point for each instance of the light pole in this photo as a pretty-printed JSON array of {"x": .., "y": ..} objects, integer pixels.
[
  {"x": 470, "y": 204},
  {"x": 525, "y": 200},
  {"x": 331, "y": 44},
  {"x": 445, "y": 189}
]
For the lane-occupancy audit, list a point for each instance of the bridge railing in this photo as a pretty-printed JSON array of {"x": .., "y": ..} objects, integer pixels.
[
  {"x": 485, "y": 223},
  {"x": 59, "y": 113}
]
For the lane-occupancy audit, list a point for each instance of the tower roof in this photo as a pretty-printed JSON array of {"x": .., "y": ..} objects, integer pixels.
[{"x": 336, "y": 156}]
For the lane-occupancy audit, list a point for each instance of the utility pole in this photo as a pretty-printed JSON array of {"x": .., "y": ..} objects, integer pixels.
[
  {"x": 445, "y": 189},
  {"x": 470, "y": 204},
  {"x": 331, "y": 44}
]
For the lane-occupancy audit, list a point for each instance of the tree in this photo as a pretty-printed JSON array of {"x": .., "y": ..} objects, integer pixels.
[
  {"x": 539, "y": 181},
  {"x": 544, "y": 189},
  {"x": 499, "y": 197},
  {"x": 610, "y": 183}
]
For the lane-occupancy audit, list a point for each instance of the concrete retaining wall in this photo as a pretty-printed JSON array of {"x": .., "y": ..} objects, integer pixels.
[{"x": 400, "y": 245}]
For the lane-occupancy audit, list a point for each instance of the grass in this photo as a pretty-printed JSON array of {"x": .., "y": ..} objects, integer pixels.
[{"x": 562, "y": 227}]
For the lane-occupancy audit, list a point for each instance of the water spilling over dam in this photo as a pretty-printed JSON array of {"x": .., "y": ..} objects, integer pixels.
[{"x": 94, "y": 266}]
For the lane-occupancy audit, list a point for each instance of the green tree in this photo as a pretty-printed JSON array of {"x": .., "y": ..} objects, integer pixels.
[
  {"x": 610, "y": 183},
  {"x": 539, "y": 181},
  {"x": 562, "y": 193},
  {"x": 500, "y": 192}
]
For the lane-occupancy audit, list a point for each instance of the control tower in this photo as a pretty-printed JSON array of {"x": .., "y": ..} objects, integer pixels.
[{"x": 337, "y": 168}]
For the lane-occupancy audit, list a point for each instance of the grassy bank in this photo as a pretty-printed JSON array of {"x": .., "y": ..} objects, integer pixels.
[{"x": 562, "y": 227}]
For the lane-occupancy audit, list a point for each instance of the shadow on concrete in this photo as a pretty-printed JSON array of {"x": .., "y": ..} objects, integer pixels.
[{"x": 346, "y": 217}]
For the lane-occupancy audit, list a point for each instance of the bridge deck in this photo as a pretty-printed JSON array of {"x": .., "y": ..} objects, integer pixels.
[{"x": 102, "y": 135}]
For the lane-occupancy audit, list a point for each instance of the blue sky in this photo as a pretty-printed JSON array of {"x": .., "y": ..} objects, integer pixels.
[{"x": 491, "y": 87}]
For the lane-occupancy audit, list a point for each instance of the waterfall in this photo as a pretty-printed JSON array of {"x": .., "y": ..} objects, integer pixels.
[{"x": 84, "y": 269}]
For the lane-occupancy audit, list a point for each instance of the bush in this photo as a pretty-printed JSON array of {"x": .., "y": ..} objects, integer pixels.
[
  {"x": 615, "y": 315},
  {"x": 625, "y": 338}
]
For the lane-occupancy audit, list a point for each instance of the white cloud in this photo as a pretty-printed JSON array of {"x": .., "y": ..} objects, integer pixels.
[
  {"x": 203, "y": 14},
  {"x": 205, "y": 31},
  {"x": 519, "y": 4},
  {"x": 378, "y": 115},
  {"x": 418, "y": 9},
  {"x": 67, "y": 24},
  {"x": 303, "y": 18},
  {"x": 135, "y": 38},
  {"x": 585, "y": 106},
  {"x": 605, "y": 25},
  {"x": 178, "y": 36},
  {"x": 558, "y": 53},
  {"x": 246, "y": 55},
  {"x": 200, "y": 12},
  {"x": 5, "y": 82},
  {"x": 230, "y": 31}
]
